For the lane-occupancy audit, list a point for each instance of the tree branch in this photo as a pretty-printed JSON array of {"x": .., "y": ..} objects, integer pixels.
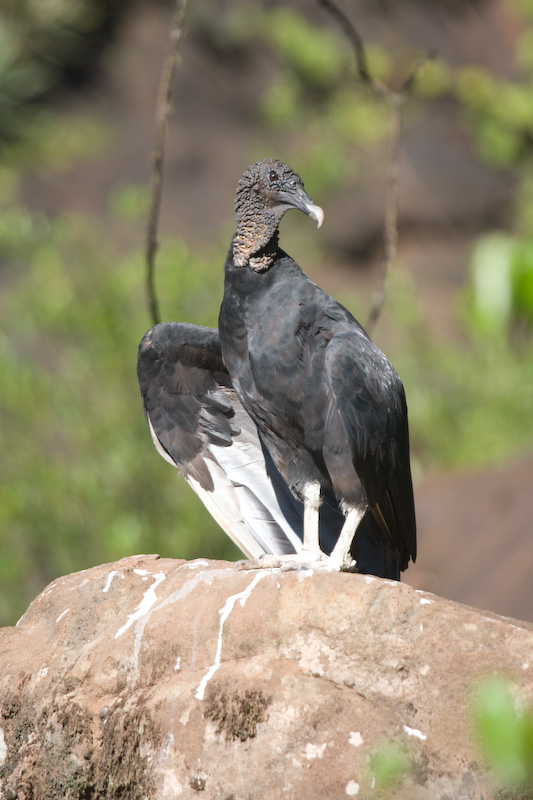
[
  {"x": 395, "y": 99},
  {"x": 390, "y": 228},
  {"x": 352, "y": 34},
  {"x": 164, "y": 93}
]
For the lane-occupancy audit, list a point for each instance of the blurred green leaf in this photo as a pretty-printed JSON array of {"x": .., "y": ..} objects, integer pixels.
[
  {"x": 522, "y": 280},
  {"x": 281, "y": 103},
  {"x": 316, "y": 55},
  {"x": 503, "y": 732},
  {"x": 476, "y": 87},
  {"x": 360, "y": 120},
  {"x": 501, "y": 291},
  {"x": 491, "y": 276},
  {"x": 40, "y": 40},
  {"x": 523, "y": 6},
  {"x": 470, "y": 401},
  {"x": 130, "y": 202},
  {"x": 389, "y": 765},
  {"x": 434, "y": 80}
]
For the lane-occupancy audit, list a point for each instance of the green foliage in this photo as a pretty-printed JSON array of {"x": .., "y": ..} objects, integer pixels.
[
  {"x": 37, "y": 38},
  {"x": 498, "y": 112},
  {"x": 504, "y": 733},
  {"x": 317, "y": 90},
  {"x": 389, "y": 765},
  {"x": 469, "y": 401},
  {"x": 316, "y": 56},
  {"x": 435, "y": 80},
  {"x": 83, "y": 483},
  {"x": 501, "y": 293},
  {"x": 47, "y": 145},
  {"x": 317, "y": 96},
  {"x": 500, "y": 115},
  {"x": 130, "y": 202}
]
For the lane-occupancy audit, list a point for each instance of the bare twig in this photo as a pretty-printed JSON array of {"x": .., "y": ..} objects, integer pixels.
[
  {"x": 161, "y": 126},
  {"x": 395, "y": 100},
  {"x": 352, "y": 35},
  {"x": 390, "y": 228}
]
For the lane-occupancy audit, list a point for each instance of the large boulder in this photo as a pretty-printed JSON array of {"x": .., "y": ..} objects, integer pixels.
[{"x": 155, "y": 678}]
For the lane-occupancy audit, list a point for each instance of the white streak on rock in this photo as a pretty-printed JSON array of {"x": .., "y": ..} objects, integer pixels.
[
  {"x": 224, "y": 612},
  {"x": 149, "y": 598},
  {"x": 62, "y": 614},
  {"x": 413, "y": 732},
  {"x": 356, "y": 739},
  {"x": 200, "y": 562},
  {"x": 3, "y": 747},
  {"x": 352, "y": 788},
  {"x": 110, "y": 577},
  {"x": 313, "y": 751},
  {"x": 191, "y": 584},
  {"x": 425, "y": 601},
  {"x": 47, "y": 591},
  {"x": 177, "y": 665}
]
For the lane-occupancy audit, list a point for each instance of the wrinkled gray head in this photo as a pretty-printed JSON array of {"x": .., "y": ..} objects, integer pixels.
[{"x": 265, "y": 192}]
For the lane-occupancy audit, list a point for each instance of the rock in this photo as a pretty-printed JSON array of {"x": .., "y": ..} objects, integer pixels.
[{"x": 156, "y": 678}]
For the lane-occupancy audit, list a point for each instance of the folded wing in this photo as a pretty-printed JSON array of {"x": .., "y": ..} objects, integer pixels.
[{"x": 199, "y": 426}]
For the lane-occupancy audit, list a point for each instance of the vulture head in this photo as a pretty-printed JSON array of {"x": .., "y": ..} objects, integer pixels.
[{"x": 265, "y": 192}]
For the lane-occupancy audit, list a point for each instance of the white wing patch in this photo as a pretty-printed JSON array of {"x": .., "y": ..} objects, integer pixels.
[{"x": 243, "y": 501}]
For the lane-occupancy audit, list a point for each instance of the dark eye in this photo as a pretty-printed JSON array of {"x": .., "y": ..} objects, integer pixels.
[{"x": 273, "y": 175}]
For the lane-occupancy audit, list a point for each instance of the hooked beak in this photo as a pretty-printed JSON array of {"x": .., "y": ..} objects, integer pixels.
[{"x": 298, "y": 198}]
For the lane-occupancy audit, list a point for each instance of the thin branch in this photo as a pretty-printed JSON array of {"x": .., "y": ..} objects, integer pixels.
[
  {"x": 352, "y": 34},
  {"x": 418, "y": 70},
  {"x": 395, "y": 99},
  {"x": 390, "y": 228},
  {"x": 164, "y": 93}
]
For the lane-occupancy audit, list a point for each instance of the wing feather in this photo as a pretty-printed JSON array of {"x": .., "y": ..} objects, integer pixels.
[
  {"x": 369, "y": 397},
  {"x": 198, "y": 425}
]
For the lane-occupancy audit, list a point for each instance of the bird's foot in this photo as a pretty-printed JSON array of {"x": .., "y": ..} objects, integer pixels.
[
  {"x": 305, "y": 560},
  {"x": 342, "y": 562},
  {"x": 284, "y": 563}
]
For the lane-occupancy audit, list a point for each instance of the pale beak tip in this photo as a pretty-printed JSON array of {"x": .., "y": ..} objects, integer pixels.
[{"x": 318, "y": 215}]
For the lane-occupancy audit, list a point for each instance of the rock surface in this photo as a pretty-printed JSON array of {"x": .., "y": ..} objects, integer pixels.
[{"x": 155, "y": 678}]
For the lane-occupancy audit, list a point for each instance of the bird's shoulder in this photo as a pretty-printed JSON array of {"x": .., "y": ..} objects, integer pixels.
[{"x": 354, "y": 361}]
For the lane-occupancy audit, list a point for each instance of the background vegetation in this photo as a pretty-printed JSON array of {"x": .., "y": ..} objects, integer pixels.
[{"x": 79, "y": 480}]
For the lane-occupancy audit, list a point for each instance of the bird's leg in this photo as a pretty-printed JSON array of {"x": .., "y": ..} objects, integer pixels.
[
  {"x": 340, "y": 558},
  {"x": 311, "y": 544},
  {"x": 310, "y": 555}
]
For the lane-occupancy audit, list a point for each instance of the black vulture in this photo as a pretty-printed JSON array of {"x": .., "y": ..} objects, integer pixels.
[
  {"x": 198, "y": 424},
  {"x": 328, "y": 406}
]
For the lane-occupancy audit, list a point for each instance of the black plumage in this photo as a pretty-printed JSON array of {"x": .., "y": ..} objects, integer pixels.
[
  {"x": 328, "y": 405},
  {"x": 198, "y": 424}
]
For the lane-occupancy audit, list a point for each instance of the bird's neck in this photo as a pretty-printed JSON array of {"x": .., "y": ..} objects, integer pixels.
[{"x": 255, "y": 243}]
